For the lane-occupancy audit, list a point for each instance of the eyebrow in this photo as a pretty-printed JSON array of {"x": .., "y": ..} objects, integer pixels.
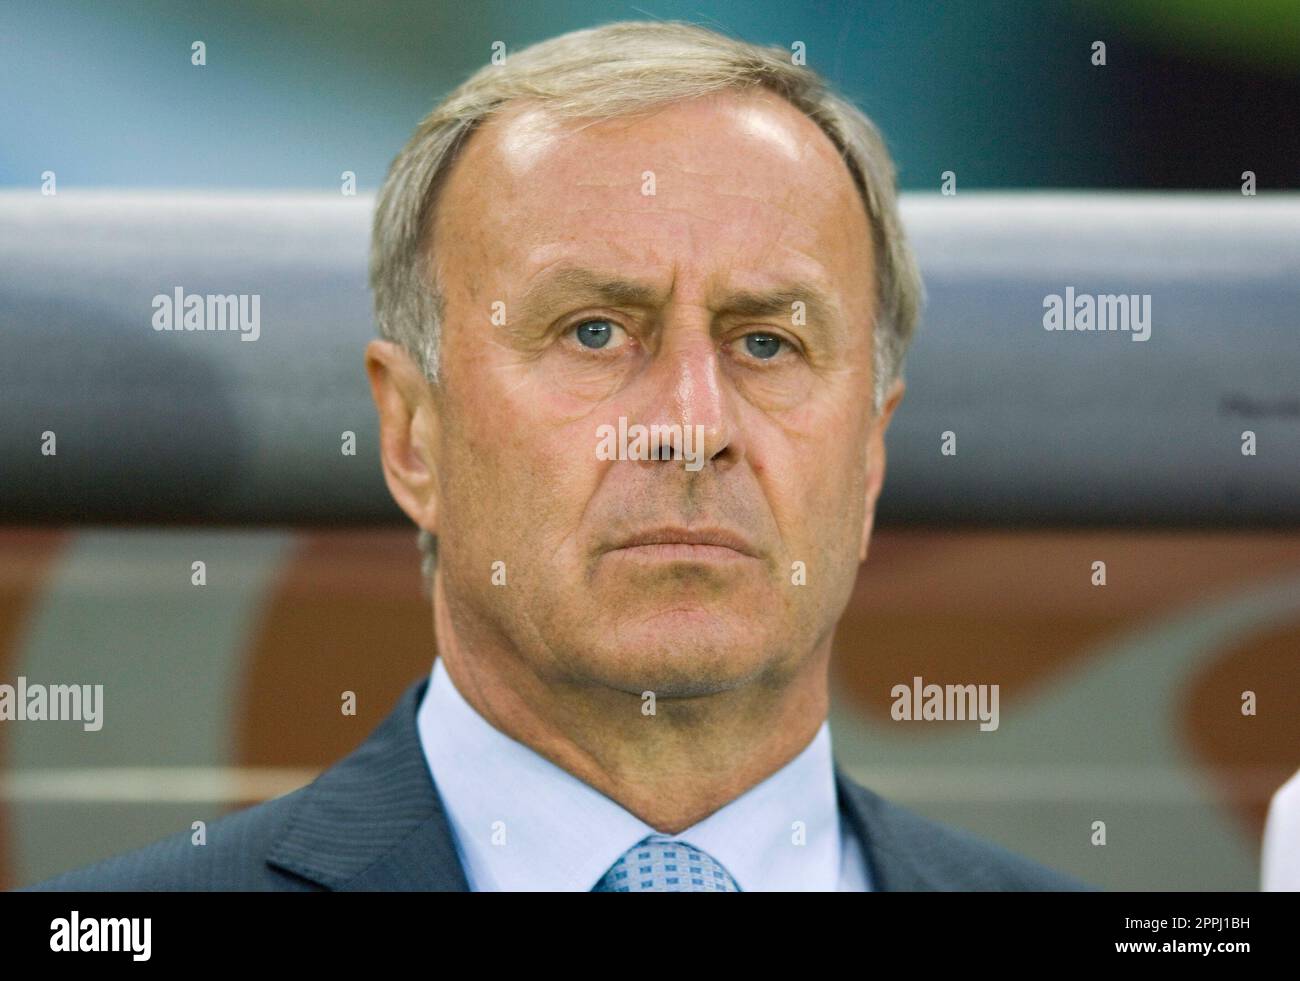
[{"x": 575, "y": 284}]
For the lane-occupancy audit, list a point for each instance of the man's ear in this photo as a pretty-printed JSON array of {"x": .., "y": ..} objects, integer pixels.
[
  {"x": 876, "y": 461},
  {"x": 408, "y": 430}
]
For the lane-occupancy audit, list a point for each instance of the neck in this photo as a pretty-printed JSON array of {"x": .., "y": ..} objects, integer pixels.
[{"x": 671, "y": 769}]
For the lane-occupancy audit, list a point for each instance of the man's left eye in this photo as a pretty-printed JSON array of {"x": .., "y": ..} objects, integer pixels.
[{"x": 763, "y": 346}]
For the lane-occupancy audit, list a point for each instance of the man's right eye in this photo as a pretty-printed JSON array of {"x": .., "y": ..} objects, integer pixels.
[{"x": 598, "y": 334}]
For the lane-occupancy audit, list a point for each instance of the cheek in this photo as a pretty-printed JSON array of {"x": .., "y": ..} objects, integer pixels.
[
  {"x": 814, "y": 470},
  {"x": 522, "y": 468}
]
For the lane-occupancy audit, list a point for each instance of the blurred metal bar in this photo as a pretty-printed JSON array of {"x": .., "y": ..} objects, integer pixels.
[{"x": 1063, "y": 428}]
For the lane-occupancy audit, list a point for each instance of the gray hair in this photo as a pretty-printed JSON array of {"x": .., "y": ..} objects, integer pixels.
[{"x": 600, "y": 73}]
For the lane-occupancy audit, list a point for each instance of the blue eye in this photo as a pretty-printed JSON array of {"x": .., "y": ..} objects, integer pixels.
[
  {"x": 594, "y": 333},
  {"x": 763, "y": 346}
]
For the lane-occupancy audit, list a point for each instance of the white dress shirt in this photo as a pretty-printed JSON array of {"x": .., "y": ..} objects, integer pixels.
[{"x": 523, "y": 824}]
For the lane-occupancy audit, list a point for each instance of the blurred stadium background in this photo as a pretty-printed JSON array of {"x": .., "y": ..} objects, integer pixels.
[{"x": 1119, "y": 704}]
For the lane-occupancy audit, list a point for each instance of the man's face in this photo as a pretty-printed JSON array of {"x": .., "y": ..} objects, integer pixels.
[{"x": 746, "y": 307}]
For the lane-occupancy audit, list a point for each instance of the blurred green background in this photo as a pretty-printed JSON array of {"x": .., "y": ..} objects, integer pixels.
[{"x": 1002, "y": 92}]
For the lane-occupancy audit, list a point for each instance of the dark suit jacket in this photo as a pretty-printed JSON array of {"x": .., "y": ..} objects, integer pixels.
[{"x": 374, "y": 821}]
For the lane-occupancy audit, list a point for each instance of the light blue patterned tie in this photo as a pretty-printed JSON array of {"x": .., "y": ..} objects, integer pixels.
[{"x": 666, "y": 866}]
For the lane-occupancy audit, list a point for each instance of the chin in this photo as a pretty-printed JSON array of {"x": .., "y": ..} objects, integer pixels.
[{"x": 679, "y": 653}]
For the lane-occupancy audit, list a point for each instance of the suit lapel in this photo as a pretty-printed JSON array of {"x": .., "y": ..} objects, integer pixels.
[
  {"x": 891, "y": 849},
  {"x": 374, "y": 820}
]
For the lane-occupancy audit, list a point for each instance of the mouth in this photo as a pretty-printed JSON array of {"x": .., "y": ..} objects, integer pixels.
[{"x": 686, "y": 544}]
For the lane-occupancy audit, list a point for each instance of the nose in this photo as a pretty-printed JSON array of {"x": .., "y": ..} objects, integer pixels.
[{"x": 686, "y": 387}]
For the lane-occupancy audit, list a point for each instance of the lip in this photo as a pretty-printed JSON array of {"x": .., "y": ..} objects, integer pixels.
[{"x": 688, "y": 543}]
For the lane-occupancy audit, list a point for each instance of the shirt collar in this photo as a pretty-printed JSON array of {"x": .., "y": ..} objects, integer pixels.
[{"x": 523, "y": 824}]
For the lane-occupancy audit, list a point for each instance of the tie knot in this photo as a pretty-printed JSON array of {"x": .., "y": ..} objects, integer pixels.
[{"x": 666, "y": 866}]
